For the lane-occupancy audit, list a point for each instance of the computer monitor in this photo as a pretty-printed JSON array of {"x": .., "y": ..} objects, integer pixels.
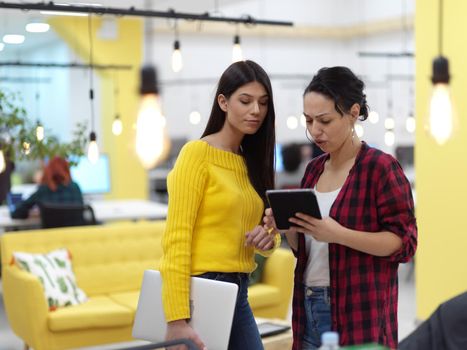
[
  {"x": 405, "y": 156},
  {"x": 279, "y": 160},
  {"x": 92, "y": 178}
]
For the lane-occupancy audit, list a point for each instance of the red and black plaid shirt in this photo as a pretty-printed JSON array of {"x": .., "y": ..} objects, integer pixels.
[{"x": 375, "y": 197}]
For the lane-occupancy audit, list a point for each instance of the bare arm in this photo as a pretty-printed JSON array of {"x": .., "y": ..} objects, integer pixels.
[{"x": 382, "y": 243}]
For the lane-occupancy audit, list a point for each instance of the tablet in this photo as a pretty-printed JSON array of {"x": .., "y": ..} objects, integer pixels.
[{"x": 285, "y": 203}]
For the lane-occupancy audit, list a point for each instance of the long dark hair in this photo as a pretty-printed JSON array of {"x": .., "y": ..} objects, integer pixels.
[
  {"x": 342, "y": 86},
  {"x": 257, "y": 149}
]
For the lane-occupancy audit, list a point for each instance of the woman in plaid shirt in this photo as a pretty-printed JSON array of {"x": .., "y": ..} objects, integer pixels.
[{"x": 346, "y": 273}]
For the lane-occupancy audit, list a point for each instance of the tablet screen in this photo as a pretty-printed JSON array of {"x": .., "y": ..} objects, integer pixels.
[{"x": 285, "y": 203}]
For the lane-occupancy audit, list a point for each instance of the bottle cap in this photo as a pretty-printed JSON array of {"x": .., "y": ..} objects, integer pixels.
[{"x": 330, "y": 338}]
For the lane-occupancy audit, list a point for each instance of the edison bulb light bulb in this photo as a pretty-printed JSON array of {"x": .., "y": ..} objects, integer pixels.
[
  {"x": 117, "y": 126},
  {"x": 152, "y": 143},
  {"x": 441, "y": 116},
  {"x": 237, "y": 54},
  {"x": 177, "y": 59},
  {"x": 389, "y": 138},
  {"x": 93, "y": 149},
  {"x": 40, "y": 133},
  {"x": 2, "y": 162}
]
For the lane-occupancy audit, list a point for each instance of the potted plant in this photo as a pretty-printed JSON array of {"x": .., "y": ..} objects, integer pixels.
[{"x": 19, "y": 140}]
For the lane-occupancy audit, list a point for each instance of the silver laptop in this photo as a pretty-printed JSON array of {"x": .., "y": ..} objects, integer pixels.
[{"x": 212, "y": 304}]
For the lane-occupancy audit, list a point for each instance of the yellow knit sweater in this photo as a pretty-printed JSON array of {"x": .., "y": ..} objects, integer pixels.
[{"x": 212, "y": 205}]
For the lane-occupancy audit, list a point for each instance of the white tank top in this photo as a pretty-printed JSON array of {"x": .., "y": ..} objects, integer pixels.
[{"x": 317, "y": 268}]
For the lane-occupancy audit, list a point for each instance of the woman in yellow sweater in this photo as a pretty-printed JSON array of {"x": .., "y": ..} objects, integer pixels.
[{"x": 216, "y": 201}]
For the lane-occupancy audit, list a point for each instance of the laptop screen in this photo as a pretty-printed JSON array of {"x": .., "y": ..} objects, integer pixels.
[{"x": 12, "y": 199}]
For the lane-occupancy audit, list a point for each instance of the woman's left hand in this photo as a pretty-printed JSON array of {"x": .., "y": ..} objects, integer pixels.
[
  {"x": 323, "y": 230},
  {"x": 260, "y": 239}
]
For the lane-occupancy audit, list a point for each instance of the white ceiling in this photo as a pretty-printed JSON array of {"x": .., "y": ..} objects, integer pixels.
[
  {"x": 13, "y": 21},
  {"x": 303, "y": 12}
]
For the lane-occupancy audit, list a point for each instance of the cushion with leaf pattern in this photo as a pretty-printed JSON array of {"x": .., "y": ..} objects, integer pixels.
[{"x": 55, "y": 272}]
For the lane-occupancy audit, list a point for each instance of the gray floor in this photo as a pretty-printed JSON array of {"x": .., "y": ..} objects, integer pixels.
[{"x": 9, "y": 341}]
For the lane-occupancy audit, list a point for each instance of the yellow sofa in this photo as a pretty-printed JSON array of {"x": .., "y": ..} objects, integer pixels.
[{"x": 108, "y": 262}]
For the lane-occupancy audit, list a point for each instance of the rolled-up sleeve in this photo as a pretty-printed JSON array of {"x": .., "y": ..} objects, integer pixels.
[{"x": 396, "y": 211}]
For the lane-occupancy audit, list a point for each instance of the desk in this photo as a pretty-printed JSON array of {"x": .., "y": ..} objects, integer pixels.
[
  {"x": 104, "y": 211},
  {"x": 128, "y": 209}
]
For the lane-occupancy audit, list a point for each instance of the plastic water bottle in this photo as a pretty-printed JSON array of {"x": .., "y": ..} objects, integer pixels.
[{"x": 329, "y": 341}]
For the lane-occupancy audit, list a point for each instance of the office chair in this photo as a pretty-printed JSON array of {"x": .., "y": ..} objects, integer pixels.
[{"x": 66, "y": 214}]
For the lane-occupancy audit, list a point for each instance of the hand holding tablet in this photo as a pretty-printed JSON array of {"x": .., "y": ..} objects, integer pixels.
[{"x": 285, "y": 203}]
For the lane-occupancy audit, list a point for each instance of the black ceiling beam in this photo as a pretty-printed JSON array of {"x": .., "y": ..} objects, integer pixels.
[
  {"x": 64, "y": 65},
  {"x": 387, "y": 54},
  {"x": 98, "y": 10}
]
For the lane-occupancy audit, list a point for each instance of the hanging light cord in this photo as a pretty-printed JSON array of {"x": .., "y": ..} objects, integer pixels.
[
  {"x": 91, "y": 79},
  {"x": 37, "y": 96},
  {"x": 440, "y": 29},
  {"x": 116, "y": 93},
  {"x": 176, "y": 30}
]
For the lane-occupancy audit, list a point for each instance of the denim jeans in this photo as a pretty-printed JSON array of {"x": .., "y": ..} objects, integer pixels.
[
  {"x": 318, "y": 316},
  {"x": 244, "y": 334}
]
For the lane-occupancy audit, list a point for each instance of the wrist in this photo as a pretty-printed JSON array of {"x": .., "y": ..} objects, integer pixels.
[
  {"x": 181, "y": 322},
  {"x": 342, "y": 236}
]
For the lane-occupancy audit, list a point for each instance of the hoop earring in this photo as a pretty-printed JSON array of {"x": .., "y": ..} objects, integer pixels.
[{"x": 353, "y": 134}]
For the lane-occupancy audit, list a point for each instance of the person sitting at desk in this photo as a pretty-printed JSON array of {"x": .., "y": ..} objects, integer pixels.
[{"x": 56, "y": 187}]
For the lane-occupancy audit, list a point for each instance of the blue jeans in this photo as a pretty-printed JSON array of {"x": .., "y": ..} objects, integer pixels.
[
  {"x": 244, "y": 334},
  {"x": 318, "y": 316}
]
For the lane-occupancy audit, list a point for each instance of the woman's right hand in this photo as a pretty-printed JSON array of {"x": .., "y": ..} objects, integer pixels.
[{"x": 180, "y": 329}]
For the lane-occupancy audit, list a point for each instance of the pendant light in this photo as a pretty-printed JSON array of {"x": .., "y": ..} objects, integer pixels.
[
  {"x": 39, "y": 131},
  {"x": 93, "y": 148},
  {"x": 237, "y": 54},
  {"x": 39, "y": 127},
  {"x": 2, "y": 161},
  {"x": 152, "y": 142},
  {"x": 177, "y": 59},
  {"x": 389, "y": 122},
  {"x": 441, "y": 121},
  {"x": 117, "y": 126}
]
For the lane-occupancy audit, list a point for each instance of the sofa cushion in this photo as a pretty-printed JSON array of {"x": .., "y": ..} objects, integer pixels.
[
  {"x": 262, "y": 295},
  {"x": 56, "y": 275},
  {"x": 128, "y": 299},
  {"x": 255, "y": 276},
  {"x": 97, "y": 312}
]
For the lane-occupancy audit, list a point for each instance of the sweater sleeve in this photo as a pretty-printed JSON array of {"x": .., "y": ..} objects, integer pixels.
[{"x": 185, "y": 186}]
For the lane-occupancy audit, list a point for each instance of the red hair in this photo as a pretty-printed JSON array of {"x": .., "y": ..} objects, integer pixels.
[{"x": 57, "y": 172}]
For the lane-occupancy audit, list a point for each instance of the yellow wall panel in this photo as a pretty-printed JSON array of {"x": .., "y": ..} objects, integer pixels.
[
  {"x": 441, "y": 171},
  {"x": 129, "y": 179}
]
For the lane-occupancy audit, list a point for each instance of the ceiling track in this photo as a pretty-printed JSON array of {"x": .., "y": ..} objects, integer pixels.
[{"x": 98, "y": 10}]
